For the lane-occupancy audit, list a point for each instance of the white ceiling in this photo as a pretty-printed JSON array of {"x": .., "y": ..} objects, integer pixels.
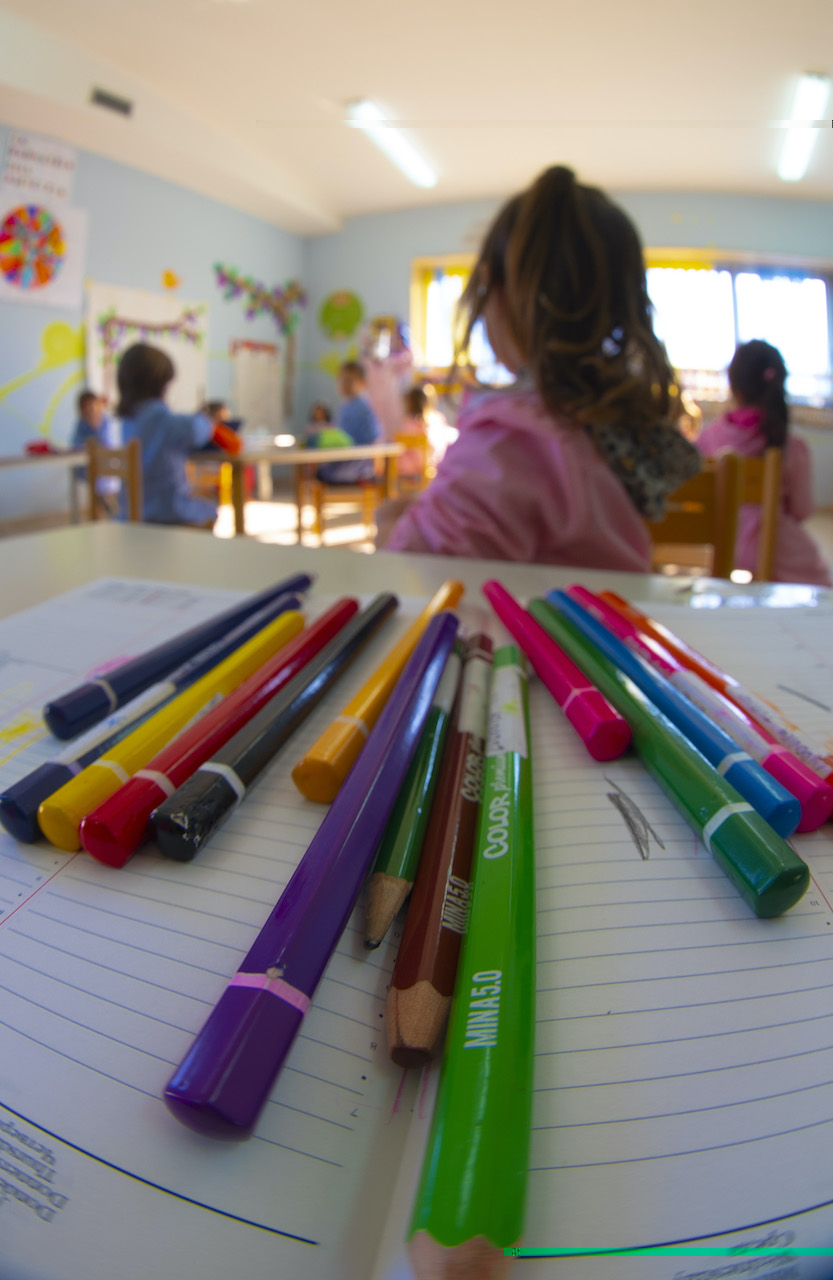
[{"x": 245, "y": 98}]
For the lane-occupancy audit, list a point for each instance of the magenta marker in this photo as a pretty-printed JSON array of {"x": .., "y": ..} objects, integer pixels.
[
  {"x": 603, "y": 731},
  {"x": 814, "y": 795},
  {"x": 225, "y": 1078}
]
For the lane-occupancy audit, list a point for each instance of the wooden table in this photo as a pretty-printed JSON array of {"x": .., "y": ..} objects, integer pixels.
[
  {"x": 304, "y": 462},
  {"x": 72, "y": 460}
]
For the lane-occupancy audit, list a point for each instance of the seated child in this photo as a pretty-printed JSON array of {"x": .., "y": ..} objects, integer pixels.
[
  {"x": 93, "y": 424},
  {"x": 166, "y": 438},
  {"x": 414, "y": 463},
  {"x": 562, "y": 466},
  {"x": 357, "y": 420},
  {"x": 760, "y": 419},
  {"x": 224, "y": 426}
]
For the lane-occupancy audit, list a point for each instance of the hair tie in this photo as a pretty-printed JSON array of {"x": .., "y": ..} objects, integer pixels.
[{"x": 769, "y": 374}]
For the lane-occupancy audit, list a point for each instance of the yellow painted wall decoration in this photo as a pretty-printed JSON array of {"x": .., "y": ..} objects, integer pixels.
[{"x": 60, "y": 344}]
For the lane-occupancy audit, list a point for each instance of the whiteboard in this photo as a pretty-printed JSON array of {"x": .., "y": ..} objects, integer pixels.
[
  {"x": 256, "y": 381},
  {"x": 117, "y": 318}
]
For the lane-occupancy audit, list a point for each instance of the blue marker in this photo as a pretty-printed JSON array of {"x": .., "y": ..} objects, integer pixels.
[{"x": 772, "y": 801}]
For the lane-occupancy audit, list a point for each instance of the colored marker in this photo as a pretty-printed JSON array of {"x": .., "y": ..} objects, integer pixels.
[
  {"x": 470, "y": 1203},
  {"x": 764, "y": 717},
  {"x": 323, "y": 769},
  {"x": 422, "y": 985},
  {"x": 61, "y": 814},
  {"x": 814, "y": 796},
  {"x": 225, "y": 1078},
  {"x": 113, "y": 832},
  {"x": 399, "y": 853},
  {"x": 90, "y": 702},
  {"x": 19, "y": 803},
  {"x": 602, "y": 730},
  {"x": 780, "y": 809},
  {"x": 183, "y": 823},
  {"x": 768, "y": 874}
]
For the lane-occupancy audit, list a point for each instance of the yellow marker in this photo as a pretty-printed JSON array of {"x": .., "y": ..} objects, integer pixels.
[
  {"x": 59, "y": 817},
  {"x": 325, "y": 766}
]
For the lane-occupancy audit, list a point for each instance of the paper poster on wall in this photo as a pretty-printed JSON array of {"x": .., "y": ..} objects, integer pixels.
[
  {"x": 117, "y": 318},
  {"x": 256, "y": 375},
  {"x": 40, "y": 168},
  {"x": 41, "y": 251}
]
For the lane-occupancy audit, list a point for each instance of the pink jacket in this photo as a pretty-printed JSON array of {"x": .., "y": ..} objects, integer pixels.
[
  {"x": 797, "y": 558},
  {"x": 518, "y": 484}
]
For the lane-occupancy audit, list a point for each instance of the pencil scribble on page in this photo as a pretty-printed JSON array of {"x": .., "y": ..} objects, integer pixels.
[
  {"x": 804, "y": 696},
  {"x": 635, "y": 820}
]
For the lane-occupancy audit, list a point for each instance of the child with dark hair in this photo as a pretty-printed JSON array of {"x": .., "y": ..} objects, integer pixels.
[
  {"x": 166, "y": 438},
  {"x": 93, "y": 424},
  {"x": 357, "y": 421},
  {"x": 759, "y": 421},
  {"x": 561, "y": 466}
]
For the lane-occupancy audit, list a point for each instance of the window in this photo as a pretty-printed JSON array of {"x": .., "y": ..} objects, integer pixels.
[
  {"x": 701, "y": 312},
  {"x": 436, "y": 288}
]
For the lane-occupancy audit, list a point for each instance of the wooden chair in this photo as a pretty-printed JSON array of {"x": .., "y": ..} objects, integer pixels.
[
  {"x": 760, "y": 483},
  {"x": 416, "y": 442},
  {"x": 702, "y": 513},
  {"x": 366, "y": 494},
  {"x": 126, "y": 463}
]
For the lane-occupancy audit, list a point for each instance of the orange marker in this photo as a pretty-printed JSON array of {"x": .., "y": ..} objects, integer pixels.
[{"x": 319, "y": 775}]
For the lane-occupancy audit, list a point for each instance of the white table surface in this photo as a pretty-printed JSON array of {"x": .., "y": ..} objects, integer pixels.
[{"x": 37, "y": 566}]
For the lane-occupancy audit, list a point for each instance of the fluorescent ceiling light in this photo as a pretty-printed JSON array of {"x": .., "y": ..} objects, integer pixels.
[
  {"x": 808, "y": 107},
  {"x": 367, "y": 116}
]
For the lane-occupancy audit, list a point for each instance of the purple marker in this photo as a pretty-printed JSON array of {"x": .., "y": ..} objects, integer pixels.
[{"x": 225, "y": 1078}]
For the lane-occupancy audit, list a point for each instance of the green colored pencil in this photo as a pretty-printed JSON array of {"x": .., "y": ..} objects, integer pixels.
[
  {"x": 397, "y": 859},
  {"x": 471, "y": 1197},
  {"x": 767, "y": 872}
]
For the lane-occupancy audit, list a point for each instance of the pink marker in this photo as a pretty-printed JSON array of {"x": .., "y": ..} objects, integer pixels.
[
  {"x": 603, "y": 731},
  {"x": 813, "y": 794}
]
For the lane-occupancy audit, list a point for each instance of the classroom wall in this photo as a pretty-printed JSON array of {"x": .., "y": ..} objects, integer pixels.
[
  {"x": 372, "y": 257},
  {"x": 139, "y": 226}
]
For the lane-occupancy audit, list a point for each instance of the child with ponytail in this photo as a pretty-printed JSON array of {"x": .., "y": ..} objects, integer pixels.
[
  {"x": 759, "y": 421},
  {"x": 561, "y": 466}
]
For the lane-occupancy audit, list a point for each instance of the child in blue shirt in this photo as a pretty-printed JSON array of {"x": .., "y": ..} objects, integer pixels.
[
  {"x": 166, "y": 438},
  {"x": 358, "y": 421}
]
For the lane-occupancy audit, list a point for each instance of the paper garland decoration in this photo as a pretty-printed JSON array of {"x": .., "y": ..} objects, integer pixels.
[
  {"x": 32, "y": 246},
  {"x": 280, "y": 303},
  {"x": 112, "y": 328}
]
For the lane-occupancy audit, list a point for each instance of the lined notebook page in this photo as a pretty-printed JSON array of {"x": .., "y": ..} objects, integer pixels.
[
  {"x": 684, "y": 1052},
  {"x": 683, "y": 1057},
  {"x": 106, "y": 977}
]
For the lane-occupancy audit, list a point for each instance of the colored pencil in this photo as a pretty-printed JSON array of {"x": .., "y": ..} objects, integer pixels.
[
  {"x": 113, "y": 831},
  {"x": 768, "y": 874},
  {"x": 323, "y": 769},
  {"x": 19, "y": 803},
  {"x": 470, "y": 1202},
  {"x": 61, "y": 814},
  {"x": 763, "y": 715},
  {"x": 224, "y": 1079},
  {"x": 426, "y": 964},
  {"x": 814, "y": 796},
  {"x": 602, "y": 730},
  {"x": 183, "y": 823},
  {"x": 92, "y": 701},
  {"x": 780, "y": 809},
  {"x": 399, "y": 853}
]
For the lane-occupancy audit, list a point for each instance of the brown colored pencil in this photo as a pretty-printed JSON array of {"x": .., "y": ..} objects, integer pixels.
[{"x": 423, "y": 977}]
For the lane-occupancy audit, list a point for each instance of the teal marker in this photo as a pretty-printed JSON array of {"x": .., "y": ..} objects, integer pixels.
[{"x": 470, "y": 1203}]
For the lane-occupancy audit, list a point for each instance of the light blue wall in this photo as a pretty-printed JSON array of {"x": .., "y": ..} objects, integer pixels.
[
  {"x": 372, "y": 255},
  {"x": 139, "y": 226}
]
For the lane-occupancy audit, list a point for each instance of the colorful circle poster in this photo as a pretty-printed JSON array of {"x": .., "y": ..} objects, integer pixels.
[{"x": 41, "y": 251}]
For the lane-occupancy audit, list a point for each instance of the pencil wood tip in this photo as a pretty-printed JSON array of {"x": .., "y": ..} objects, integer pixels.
[
  {"x": 476, "y": 1259},
  {"x": 415, "y": 1019},
  {"x": 385, "y": 895}
]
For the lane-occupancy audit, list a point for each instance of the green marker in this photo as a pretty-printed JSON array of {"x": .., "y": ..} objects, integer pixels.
[
  {"x": 470, "y": 1202},
  {"x": 769, "y": 875},
  {"x": 397, "y": 859}
]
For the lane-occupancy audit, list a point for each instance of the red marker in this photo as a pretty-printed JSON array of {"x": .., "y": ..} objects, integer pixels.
[
  {"x": 814, "y": 795},
  {"x": 114, "y": 831},
  {"x": 603, "y": 731}
]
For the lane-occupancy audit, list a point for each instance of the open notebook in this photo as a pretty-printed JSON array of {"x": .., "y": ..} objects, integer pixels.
[{"x": 684, "y": 1051}]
